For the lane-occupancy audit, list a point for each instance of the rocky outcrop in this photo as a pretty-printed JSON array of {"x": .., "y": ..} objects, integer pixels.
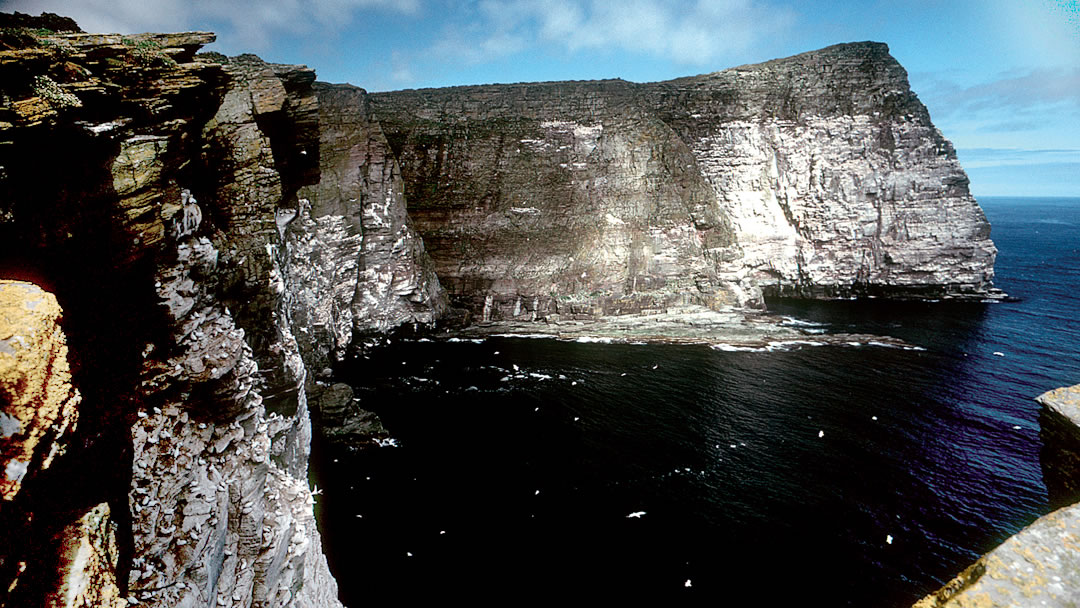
[
  {"x": 1038, "y": 565},
  {"x": 359, "y": 269},
  {"x": 818, "y": 175},
  {"x": 1059, "y": 422},
  {"x": 38, "y": 414},
  {"x": 366, "y": 271},
  {"x": 38, "y": 405},
  {"x": 145, "y": 187},
  {"x": 342, "y": 421}
]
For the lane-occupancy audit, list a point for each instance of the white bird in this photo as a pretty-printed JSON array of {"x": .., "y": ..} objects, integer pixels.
[
  {"x": 821, "y": 433},
  {"x": 888, "y": 538},
  {"x": 636, "y": 514},
  {"x": 655, "y": 366},
  {"x": 999, "y": 353},
  {"x": 687, "y": 583}
]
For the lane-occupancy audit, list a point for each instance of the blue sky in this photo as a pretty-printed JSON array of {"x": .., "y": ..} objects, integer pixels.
[{"x": 1001, "y": 77}]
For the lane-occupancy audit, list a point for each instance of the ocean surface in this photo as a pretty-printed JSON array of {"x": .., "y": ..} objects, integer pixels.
[{"x": 851, "y": 475}]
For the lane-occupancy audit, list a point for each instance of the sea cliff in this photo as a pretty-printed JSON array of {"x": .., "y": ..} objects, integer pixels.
[
  {"x": 217, "y": 233},
  {"x": 144, "y": 186},
  {"x": 818, "y": 175}
]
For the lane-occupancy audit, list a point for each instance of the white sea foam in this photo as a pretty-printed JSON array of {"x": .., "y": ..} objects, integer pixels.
[
  {"x": 792, "y": 321},
  {"x": 731, "y": 348},
  {"x": 533, "y": 336},
  {"x": 792, "y": 344}
]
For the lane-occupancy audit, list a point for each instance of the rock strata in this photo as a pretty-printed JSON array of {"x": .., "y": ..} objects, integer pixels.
[
  {"x": 365, "y": 269},
  {"x": 818, "y": 175},
  {"x": 162, "y": 239}
]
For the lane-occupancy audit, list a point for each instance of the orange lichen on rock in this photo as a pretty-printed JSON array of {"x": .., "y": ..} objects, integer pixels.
[{"x": 38, "y": 405}]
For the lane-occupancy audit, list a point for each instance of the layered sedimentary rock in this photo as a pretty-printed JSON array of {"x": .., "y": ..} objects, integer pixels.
[
  {"x": 816, "y": 175},
  {"x": 1038, "y": 565},
  {"x": 145, "y": 187},
  {"x": 358, "y": 268},
  {"x": 366, "y": 270},
  {"x": 215, "y": 228}
]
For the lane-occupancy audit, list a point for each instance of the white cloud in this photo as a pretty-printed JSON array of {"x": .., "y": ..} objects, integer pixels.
[
  {"x": 400, "y": 72},
  {"x": 1011, "y": 98},
  {"x": 248, "y": 24},
  {"x": 687, "y": 32},
  {"x": 978, "y": 158}
]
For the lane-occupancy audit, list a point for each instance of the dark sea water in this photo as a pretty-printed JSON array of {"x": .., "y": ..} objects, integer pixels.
[{"x": 768, "y": 478}]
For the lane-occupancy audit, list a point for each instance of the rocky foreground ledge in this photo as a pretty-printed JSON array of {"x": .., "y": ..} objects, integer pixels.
[{"x": 1040, "y": 565}]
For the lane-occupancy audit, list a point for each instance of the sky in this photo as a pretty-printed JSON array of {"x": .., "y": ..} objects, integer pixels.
[{"x": 1001, "y": 78}]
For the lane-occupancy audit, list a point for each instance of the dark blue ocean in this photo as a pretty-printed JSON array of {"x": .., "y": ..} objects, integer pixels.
[{"x": 840, "y": 476}]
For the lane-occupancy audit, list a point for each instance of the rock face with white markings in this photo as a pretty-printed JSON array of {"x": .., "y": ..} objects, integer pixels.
[
  {"x": 819, "y": 175},
  {"x": 215, "y": 228},
  {"x": 149, "y": 189},
  {"x": 369, "y": 271}
]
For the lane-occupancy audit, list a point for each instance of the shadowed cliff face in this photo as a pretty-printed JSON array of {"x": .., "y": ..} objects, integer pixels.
[
  {"x": 818, "y": 175},
  {"x": 143, "y": 186},
  {"x": 362, "y": 269}
]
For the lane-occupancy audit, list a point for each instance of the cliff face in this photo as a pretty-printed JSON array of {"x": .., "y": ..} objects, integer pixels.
[
  {"x": 817, "y": 175},
  {"x": 216, "y": 229},
  {"x": 363, "y": 269},
  {"x": 145, "y": 186},
  {"x": 1059, "y": 429}
]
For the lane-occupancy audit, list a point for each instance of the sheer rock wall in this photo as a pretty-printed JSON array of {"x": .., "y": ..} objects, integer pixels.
[
  {"x": 144, "y": 186},
  {"x": 817, "y": 175}
]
